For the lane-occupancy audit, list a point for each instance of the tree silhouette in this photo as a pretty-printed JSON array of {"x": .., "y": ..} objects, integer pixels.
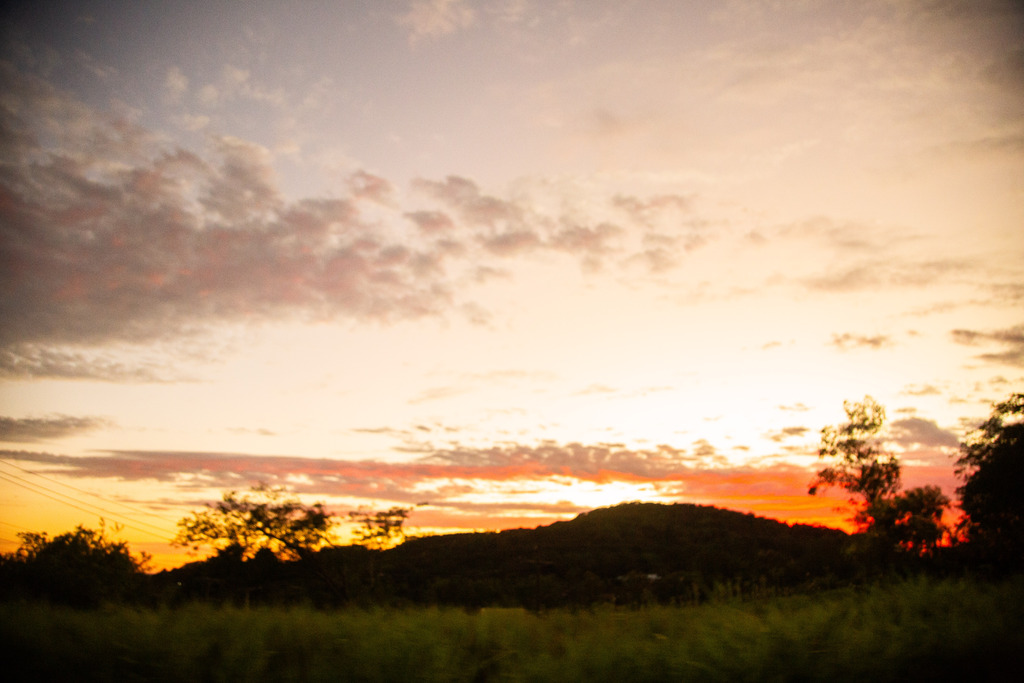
[
  {"x": 910, "y": 520},
  {"x": 82, "y": 568},
  {"x": 861, "y": 466},
  {"x": 263, "y": 518},
  {"x": 992, "y": 498},
  {"x": 380, "y": 529}
]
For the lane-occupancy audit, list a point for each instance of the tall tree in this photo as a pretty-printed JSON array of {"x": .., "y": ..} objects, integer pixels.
[
  {"x": 265, "y": 517},
  {"x": 910, "y": 520},
  {"x": 860, "y": 464},
  {"x": 992, "y": 496}
]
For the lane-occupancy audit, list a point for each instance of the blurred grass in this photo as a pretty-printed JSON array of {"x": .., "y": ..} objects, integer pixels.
[{"x": 918, "y": 629}]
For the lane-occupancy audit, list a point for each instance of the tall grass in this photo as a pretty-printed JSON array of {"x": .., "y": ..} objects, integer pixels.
[{"x": 914, "y": 630}]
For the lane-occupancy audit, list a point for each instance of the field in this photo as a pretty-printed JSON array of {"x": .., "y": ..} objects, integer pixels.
[{"x": 913, "y": 630}]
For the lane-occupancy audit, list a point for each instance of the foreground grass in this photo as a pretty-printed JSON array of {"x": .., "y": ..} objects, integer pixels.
[{"x": 915, "y": 630}]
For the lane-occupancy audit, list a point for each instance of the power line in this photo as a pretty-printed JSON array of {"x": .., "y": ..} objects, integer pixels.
[
  {"x": 82, "y": 502},
  {"x": 31, "y": 487},
  {"x": 88, "y": 493}
]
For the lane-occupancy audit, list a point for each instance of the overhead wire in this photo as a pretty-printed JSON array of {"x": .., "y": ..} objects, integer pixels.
[
  {"x": 88, "y": 493},
  {"x": 15, "y": 526},
  {"x": 30, "y": 486}
]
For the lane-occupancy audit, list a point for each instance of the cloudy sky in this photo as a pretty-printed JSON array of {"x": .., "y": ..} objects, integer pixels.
[{"x": 514, "y": 258}]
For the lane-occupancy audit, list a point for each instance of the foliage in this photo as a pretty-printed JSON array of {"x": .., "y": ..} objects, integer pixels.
[
  {"x": 81, "y": 568},
  {"x": 992, "y": 495},
  {"x": 910, "y": 520},
  {"x": 635, "y": 553},
  {"x": 913, "y": 518},
  {"x": 861, "y": 465},
  {"x": 263, "y": 518},
  {"x": 380, "y": 529},
  {"x": 913, "y": 630}
]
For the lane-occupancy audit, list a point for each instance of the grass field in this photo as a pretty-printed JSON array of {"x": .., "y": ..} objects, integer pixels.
[{"x": 913, "y": 630}]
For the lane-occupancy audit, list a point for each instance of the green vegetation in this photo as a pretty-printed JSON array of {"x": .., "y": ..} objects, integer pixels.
[
  {"x": 992, "y": 498},
  {"x": 919, "y": 629},
  {"x": 262, "y": 519},
  {"x": 630, "y": 554},
  {"x": 635, "y": 592},
  {"x": 82, "y": 568}
]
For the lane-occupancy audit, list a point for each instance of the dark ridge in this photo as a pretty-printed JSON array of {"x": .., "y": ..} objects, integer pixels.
[{"x": 627, "y": 554}]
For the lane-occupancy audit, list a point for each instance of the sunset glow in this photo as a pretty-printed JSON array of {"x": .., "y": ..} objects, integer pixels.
[{"x": 508, "y": 259}]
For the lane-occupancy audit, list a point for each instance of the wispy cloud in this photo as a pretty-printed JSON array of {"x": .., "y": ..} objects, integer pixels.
[
  {"x": 593, "y": 462},
  {"x": 434, "y": 18},
  {"x": 1012, "y": 339},
  {"x": 581, "y": 461},
  {"x": 915, "y": 431},
  {"x": 787, "y": 433},
  {"x": 29, "y": 360},
  {"x": 922, "y": 390},
  {"x": 33, "y": 429},
  {"x": 517, "y": 479},
  {"x": 871, "y": 274},
  {"x": 847, "y": 341}
]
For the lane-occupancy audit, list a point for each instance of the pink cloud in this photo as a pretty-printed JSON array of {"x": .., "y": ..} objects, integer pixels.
[{"x": 445, "y": 478}]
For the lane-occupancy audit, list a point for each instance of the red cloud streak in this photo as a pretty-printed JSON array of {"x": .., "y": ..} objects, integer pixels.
[{"x": 778, "y": 491}]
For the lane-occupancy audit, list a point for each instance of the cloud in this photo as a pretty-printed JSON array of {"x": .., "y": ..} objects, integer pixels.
[
  {"x": 32, "y": 429},
  {"x": 652, "y": 210},
  {"x": 23, "y": 361},
  {"x": 368, "y": 186},
  {"x": 706, "y": 450},
  {"x": 512, "y": 484},
  {"x": 434, "y": 18},
  {"x": 916, "y": 431},
  {"x": 787, "y": 433},
  {"x": 580, "y": 238},
  {"x": 437, "y": 393},
  {"x": 435, "y": 470},
  {"x": 847, "y": 341},
  {"x": 475, "y": 208},
  {"x": 871, "y": 274},
  {"x": 175, "y": 83},
  {"x": 1012, "y": 338},
  {"x": 597, "y": 389},
  {"x": 578, "y": 460},
  {"x": 116, "y": 237},
  {"x": 431, "y": 221},
  {"x": 922, "y": 390}
]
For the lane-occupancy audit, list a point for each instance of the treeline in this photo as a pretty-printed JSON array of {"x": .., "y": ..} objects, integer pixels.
[
  {"x": 635, "y": 553},
  {"x": 272, "y": 549}
]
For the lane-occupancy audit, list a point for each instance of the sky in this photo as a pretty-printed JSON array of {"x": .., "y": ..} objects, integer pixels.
[{"x": 502, "y": 260}]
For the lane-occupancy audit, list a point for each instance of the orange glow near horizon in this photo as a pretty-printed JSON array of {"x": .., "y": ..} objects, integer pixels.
[
  {"x": 514, "y": 260},
  {"x": 497, "y": 504}
]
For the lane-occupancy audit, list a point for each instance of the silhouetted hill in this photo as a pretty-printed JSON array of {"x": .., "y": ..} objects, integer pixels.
[
  {"x": 626, "y": 554},
  {"x": 670, "y": 551}
]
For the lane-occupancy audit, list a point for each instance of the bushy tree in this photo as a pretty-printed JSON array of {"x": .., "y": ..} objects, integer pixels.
[
  {"x": 82, "y": 568},
  {"x": 265, "y": 517},
  {"x": 992, "y": 496},
  {"x": 910, "y": 520},
  {"x": 380, "y": 529}
]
